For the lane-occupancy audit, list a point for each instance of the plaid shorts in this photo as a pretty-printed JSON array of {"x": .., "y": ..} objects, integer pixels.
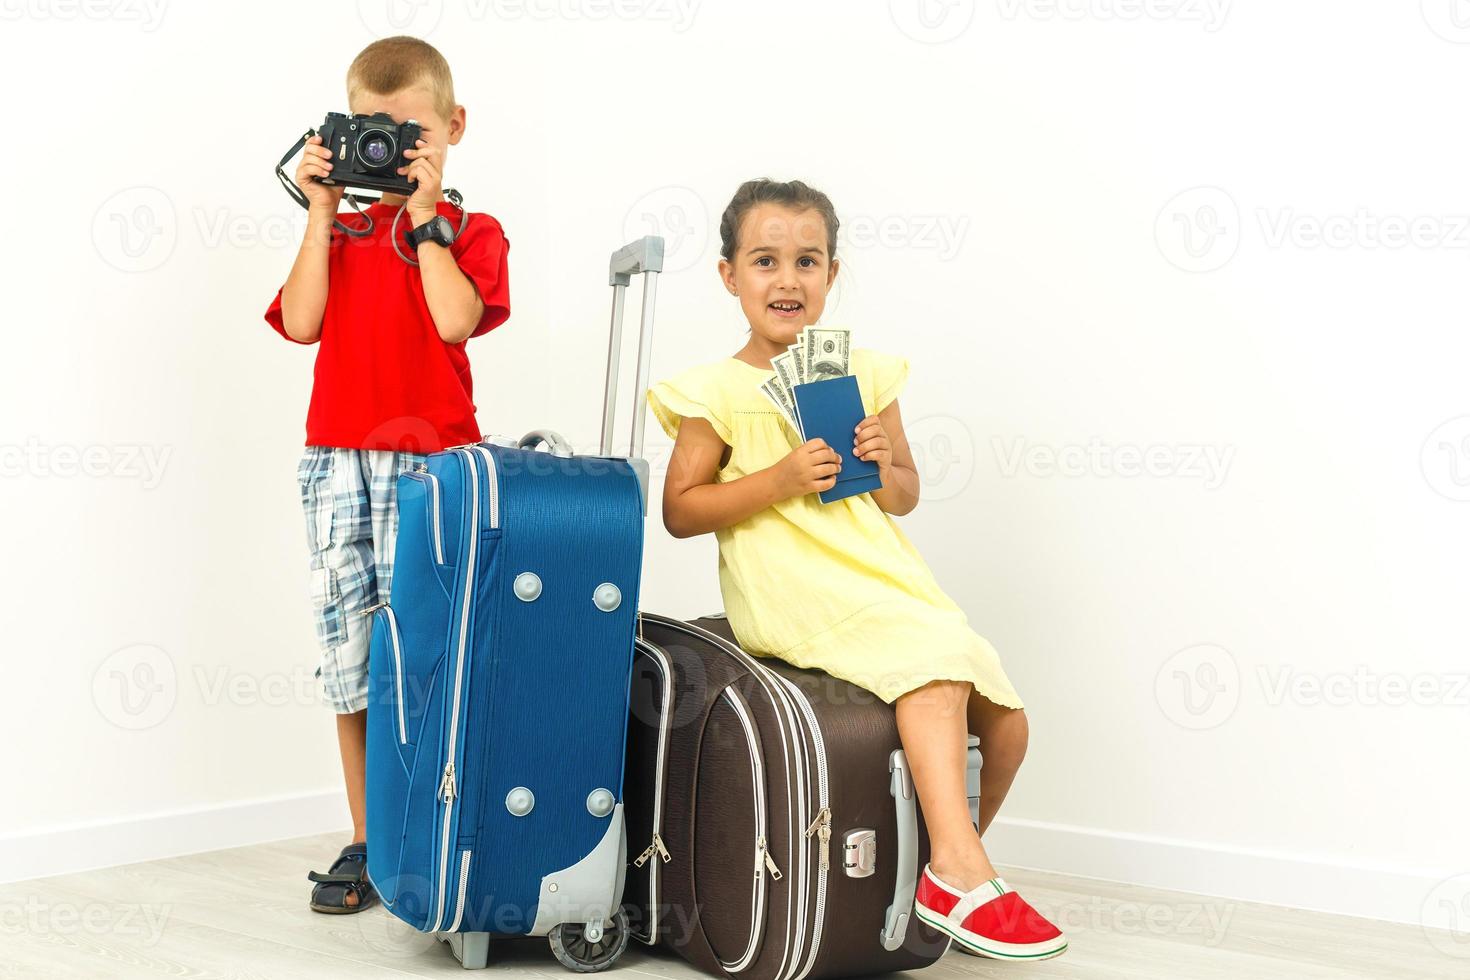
[{"x": 351, "y": 501}]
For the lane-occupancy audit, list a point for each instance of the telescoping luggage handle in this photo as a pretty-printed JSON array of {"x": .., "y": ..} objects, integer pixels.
[
  {"x": 906, "y": 878},
  {"x": 645, "y": 257}
]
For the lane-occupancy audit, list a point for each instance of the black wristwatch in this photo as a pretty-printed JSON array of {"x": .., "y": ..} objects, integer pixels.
[{"x": 437, "y": 230}]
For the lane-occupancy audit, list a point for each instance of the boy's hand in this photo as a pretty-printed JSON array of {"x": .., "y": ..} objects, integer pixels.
[
  {"x": 316, "y": 162},
  {"x": 427, "y": 168},
  {"x": 808, "y": 468},
  {"x": 871, "y": 443}
]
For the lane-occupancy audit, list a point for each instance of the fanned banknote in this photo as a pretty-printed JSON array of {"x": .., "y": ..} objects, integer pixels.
[{"x": 819, "y": 354}]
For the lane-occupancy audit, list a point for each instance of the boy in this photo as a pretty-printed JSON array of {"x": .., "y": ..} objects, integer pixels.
[{"x": 391, "y": 382}]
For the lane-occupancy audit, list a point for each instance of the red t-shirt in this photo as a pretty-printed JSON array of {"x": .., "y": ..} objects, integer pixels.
[{"x": 384, "y": 379}]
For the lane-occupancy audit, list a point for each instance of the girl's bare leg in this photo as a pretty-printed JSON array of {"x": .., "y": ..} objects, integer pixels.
[{"x": 932, "y": 725}]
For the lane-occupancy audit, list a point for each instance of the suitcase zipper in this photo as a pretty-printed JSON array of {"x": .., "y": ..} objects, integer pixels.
[
  {"x": 464, "y": 881},
  {"x": 763, "y": 862},
  {"x": 660, "y": 660},
  {"x": 657, "y": 847},
  {"x": 447, "y": 783},
  {"x": 822, "y": 824},
  {"x": 392, "y": 623},
  {"x": 435, "y": 522},
  {"x": 772, "y": 685},
  {"x": 822, "y": 827},
  {"x": 494, "y": 485}
]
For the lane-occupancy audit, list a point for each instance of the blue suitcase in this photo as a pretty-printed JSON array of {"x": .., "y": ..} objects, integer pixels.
[{"x": 498, "y": 683}]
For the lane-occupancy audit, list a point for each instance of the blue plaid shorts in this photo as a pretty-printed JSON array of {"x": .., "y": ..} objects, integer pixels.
[{"x": 351, "y": 501}]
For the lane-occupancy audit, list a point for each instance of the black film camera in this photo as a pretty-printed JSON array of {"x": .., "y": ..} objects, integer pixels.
[{"x": 368, "y": 150}]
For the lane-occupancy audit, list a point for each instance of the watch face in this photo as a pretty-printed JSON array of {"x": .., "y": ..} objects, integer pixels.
[{"x": 443, "y": 230}]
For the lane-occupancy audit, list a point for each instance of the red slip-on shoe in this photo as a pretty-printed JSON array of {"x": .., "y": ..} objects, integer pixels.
[{"x": 989, "y": 921}]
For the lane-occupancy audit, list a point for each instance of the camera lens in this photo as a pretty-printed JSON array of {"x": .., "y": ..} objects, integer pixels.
[{"x": 375, "y": 147}]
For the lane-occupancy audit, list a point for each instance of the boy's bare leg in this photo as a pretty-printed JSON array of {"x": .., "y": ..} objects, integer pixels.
[
  {"x": 1004, "y": 733},
  {"x": 352, "y": 741},
  {"x": 932, "y": 724}
]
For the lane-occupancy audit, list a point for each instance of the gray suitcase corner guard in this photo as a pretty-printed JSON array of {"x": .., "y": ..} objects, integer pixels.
[{"x": 589, "y": 890}]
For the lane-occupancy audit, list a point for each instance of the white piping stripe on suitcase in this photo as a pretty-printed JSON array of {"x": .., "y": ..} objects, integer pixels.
[
  {"x": 464, "y": 881},
  {"x": 438, "y": 521},
  {"x": 447, "y": 782},
  {"x": 778, "y": 703},
  {"x": 770, "y": 679},
  {"x": 398, "y": 667},
  {"x": 824, "y": 800},
  {"x": 661, "y": 660},
  {"x": 432, "y": 482},
  {"x": 758, "y": 784},
  {"x": 819, "y": 745},
  {"x": 491, "y": 474},
  {"x": 778, "y": 695}
]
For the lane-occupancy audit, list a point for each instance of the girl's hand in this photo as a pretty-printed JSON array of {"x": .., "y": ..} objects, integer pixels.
[
  {"x": 871, "y": 443},
  {"x": 809, "y": 468}
]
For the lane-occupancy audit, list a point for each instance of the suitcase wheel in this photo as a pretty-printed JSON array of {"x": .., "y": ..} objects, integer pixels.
[{"x": 573, "y": 948}]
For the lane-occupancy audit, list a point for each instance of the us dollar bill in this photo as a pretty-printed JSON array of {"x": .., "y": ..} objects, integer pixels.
[
  {"x": 828, "y": 351},
  {"x": 799, "y": 350},
  {"x": 771, "y": 388},
  {"x": 787, "y": 373}
]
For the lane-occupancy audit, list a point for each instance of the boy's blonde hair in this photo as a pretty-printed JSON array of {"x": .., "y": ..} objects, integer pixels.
[{"x": 396, "y": 63}]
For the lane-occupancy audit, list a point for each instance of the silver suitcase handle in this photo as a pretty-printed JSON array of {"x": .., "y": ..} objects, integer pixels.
[
  {"x": 554, "y": 441},
  {"x": 906, "y": 880}
]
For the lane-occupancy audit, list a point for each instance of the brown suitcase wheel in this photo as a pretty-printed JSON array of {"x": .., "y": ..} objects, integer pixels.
[{"x": 572, "y": 948}]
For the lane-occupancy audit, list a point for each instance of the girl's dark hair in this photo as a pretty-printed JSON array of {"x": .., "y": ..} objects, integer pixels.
[{"x": 790, "y": 193}]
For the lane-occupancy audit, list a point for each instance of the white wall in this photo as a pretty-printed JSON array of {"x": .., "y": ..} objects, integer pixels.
[{"x": 1018, "y": 199}]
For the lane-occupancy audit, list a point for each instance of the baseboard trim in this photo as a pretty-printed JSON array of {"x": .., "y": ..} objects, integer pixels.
[
  {"x": 1319, "y": 884},
  {"x": 150, "y": 836}
]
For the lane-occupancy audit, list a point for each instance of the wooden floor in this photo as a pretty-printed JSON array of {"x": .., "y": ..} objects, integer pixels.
[{"x": 242, "y": 914}]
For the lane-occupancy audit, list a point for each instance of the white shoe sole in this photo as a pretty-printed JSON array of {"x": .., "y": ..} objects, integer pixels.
[{"x": 995, "y": 951}]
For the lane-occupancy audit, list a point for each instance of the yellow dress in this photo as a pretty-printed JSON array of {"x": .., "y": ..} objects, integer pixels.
[{"x": 833, "y": 586}]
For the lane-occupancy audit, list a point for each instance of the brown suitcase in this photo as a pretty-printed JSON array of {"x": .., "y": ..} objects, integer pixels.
[{"x": 783, "y": 836}]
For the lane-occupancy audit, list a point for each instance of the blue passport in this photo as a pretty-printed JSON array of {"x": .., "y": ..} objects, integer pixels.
[{"x": 830, "y": 410}]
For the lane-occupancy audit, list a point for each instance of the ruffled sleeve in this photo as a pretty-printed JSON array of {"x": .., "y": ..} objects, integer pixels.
[
  {"x": 886, "y": 376},
  {"x": 696, "y": 393}
]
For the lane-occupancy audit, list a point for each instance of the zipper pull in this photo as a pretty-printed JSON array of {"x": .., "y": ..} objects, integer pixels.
[
  {"x": 657, "y": 847},
  {"x": 822, "y": 827},
  {"x": 446, "y": 785},
  {"x": 423, "y": 468},
  {"x": 765, "y": 855},
  {"x": 372, "y": 609}
]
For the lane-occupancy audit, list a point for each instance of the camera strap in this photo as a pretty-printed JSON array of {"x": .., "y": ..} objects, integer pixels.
[
  {"x": 299, "y": 195},
  {"x": 455, "y": 198}
]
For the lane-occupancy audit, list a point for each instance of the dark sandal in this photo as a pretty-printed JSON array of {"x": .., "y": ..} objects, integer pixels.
[{"x": 347, "y": 874}]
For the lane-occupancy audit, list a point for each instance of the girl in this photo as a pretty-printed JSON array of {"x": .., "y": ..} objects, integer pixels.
[{"x": 838, "y": 586}]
